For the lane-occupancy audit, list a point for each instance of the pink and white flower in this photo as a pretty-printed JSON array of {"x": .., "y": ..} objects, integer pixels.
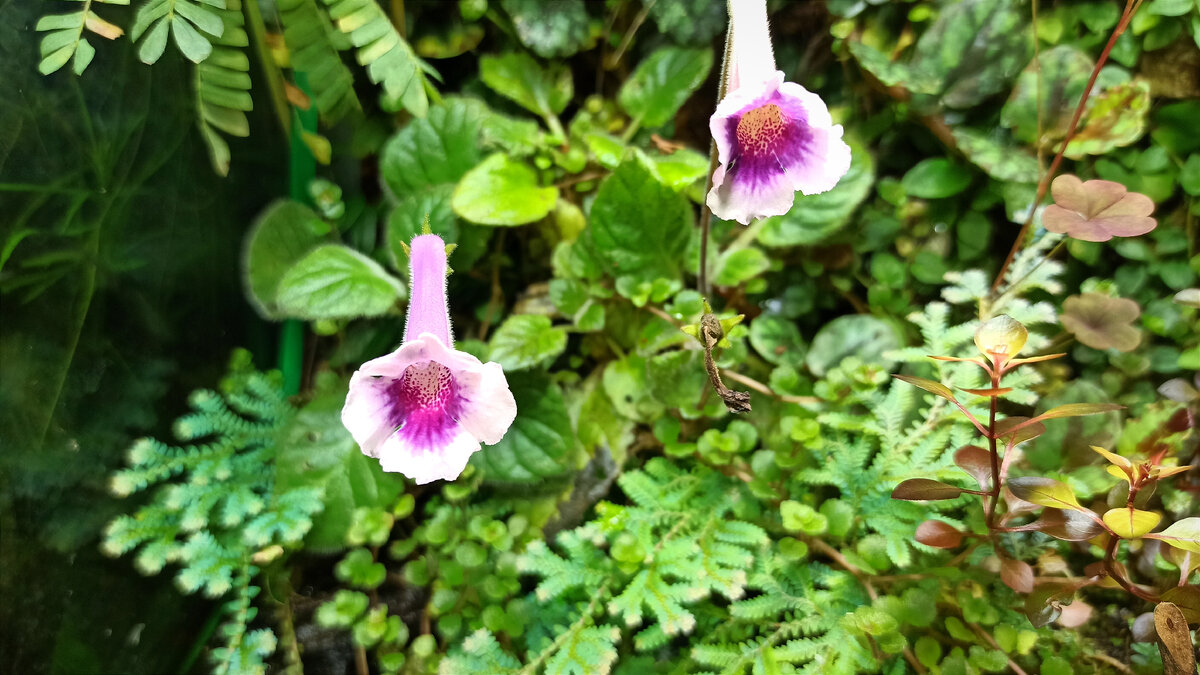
[
  {"x": 424, "y": 409},
  {"x": 773, "y": 137}
]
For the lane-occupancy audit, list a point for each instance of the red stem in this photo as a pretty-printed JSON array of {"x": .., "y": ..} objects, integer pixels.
[
  {"x": 994, "y": 455},
  {"x": 1131, "y": 6}
]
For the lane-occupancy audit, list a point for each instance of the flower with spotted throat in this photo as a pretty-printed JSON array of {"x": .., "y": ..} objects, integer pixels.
[
  {"x": 773, "y": 137},
  {"x": 424, "y": 409}
]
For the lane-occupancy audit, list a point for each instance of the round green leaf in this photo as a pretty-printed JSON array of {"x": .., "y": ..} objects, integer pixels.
[
  {"x": 936, "y": 178},
  {"x": 502, "y": 191},
  {"x": 526, "y": 340},
  {"x": 520, "y": 77},
  {"x": 777, "y": 340},
  {"x": 861, "y": 335},
  {"x": 281, "y": 236},
  {"x": 434, "y": 150},
  {"x": 813, "y": 218},
  {"x": 662, "y": 82},
  {"x": 537, "y": 444},
  {"x": 336, "y": 282},
  {"x": 639, "y": 226}
]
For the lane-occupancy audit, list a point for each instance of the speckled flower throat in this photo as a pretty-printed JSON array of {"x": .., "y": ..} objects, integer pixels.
[
  {"x": 760, "y": 129},
  {"x": 424, "y": 409},
  {"x": 774, "y": 138}
]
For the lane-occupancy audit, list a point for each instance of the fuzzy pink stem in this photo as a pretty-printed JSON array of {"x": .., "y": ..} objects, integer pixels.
[{"x": 428, "y": 310}]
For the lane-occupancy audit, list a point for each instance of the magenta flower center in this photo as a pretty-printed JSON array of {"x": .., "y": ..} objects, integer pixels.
[
  {"x": 426, "y": 385},
  {"x": 760, "y": 129},
  {"x": 425, "y": 404}
]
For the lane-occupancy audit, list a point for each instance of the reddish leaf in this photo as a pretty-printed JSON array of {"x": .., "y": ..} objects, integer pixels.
[
  {"x": 1101, "y": 321},
  {"x": 1077, "y": 410},
  {"x": 1015, "y": 505},
  {"x": 1068, "y": 525},
  {"x": 924, "y": 489},
  {"x": 977, "y": 462},
  {"x": 1026, "y": 433},
  {"x": 937, "y": 534},
  {"x": 1097, "y": 210},
  {"x": 988, "y": 392},
  {"x": 1016, "y": 574},
  {"x": 977, "y": 361}
]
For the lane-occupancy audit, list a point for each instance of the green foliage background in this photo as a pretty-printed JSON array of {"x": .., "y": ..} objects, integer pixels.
[{"x": 254, "y": 188}]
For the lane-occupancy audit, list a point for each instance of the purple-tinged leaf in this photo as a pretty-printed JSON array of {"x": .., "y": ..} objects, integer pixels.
[
  {"x": 1068, "y": 525},
  {"x": 1097, "y": 210},
  {"x": 1028, "y": 432},
  {"x": 977, "y": 462},
  {"x": 937, "y": 534},
  {"x": 924, "y": 489},
  {"x": 1102, "y": 322},
  {"x": 1016, "y": 574}
]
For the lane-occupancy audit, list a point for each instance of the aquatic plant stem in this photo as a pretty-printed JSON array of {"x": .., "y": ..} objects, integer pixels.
[
  {"x": 994, "y": 455},
  {"x": 1131, "y": 6}
]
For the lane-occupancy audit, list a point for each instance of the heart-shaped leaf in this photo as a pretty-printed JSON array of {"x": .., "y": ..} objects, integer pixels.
[
  {"x": 1102, "y": 322},
  {"x": 1097, "y": 210}
]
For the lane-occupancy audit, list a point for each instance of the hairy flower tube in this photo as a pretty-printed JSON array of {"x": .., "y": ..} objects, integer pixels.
[
  {"x": 773, "y": 137},
  {"x": 424, "y": 409}
]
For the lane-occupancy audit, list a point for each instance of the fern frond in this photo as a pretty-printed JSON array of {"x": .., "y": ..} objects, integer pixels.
[
  {"x": 480, "y": 655},
  {"x": 191, "y": 25},
  {"x": 313, "y": 46},
  {"x": 223, "y": 85},
  {"x": 589, "y": 651},
  {"x": 65, "y": 40},
  {"x": 243, "y": 651},
  {"x": 388, "y": 58}
]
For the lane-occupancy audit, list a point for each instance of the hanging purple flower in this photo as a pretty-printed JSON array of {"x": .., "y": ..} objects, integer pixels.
[
  {"x": 424, "y": 409},
  {"x": 773, "y": 137}
]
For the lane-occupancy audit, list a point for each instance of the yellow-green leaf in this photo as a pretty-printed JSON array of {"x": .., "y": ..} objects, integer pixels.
[
  {"x": 1044, "y": 492},
  {"x": 1124, "y": 465},
  {"x": 1184, "y": 534},
  {"x": 930, "y": 386},
  {"x": 1131, "y": 523},
  {"x": 1078, "y": 410}
]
